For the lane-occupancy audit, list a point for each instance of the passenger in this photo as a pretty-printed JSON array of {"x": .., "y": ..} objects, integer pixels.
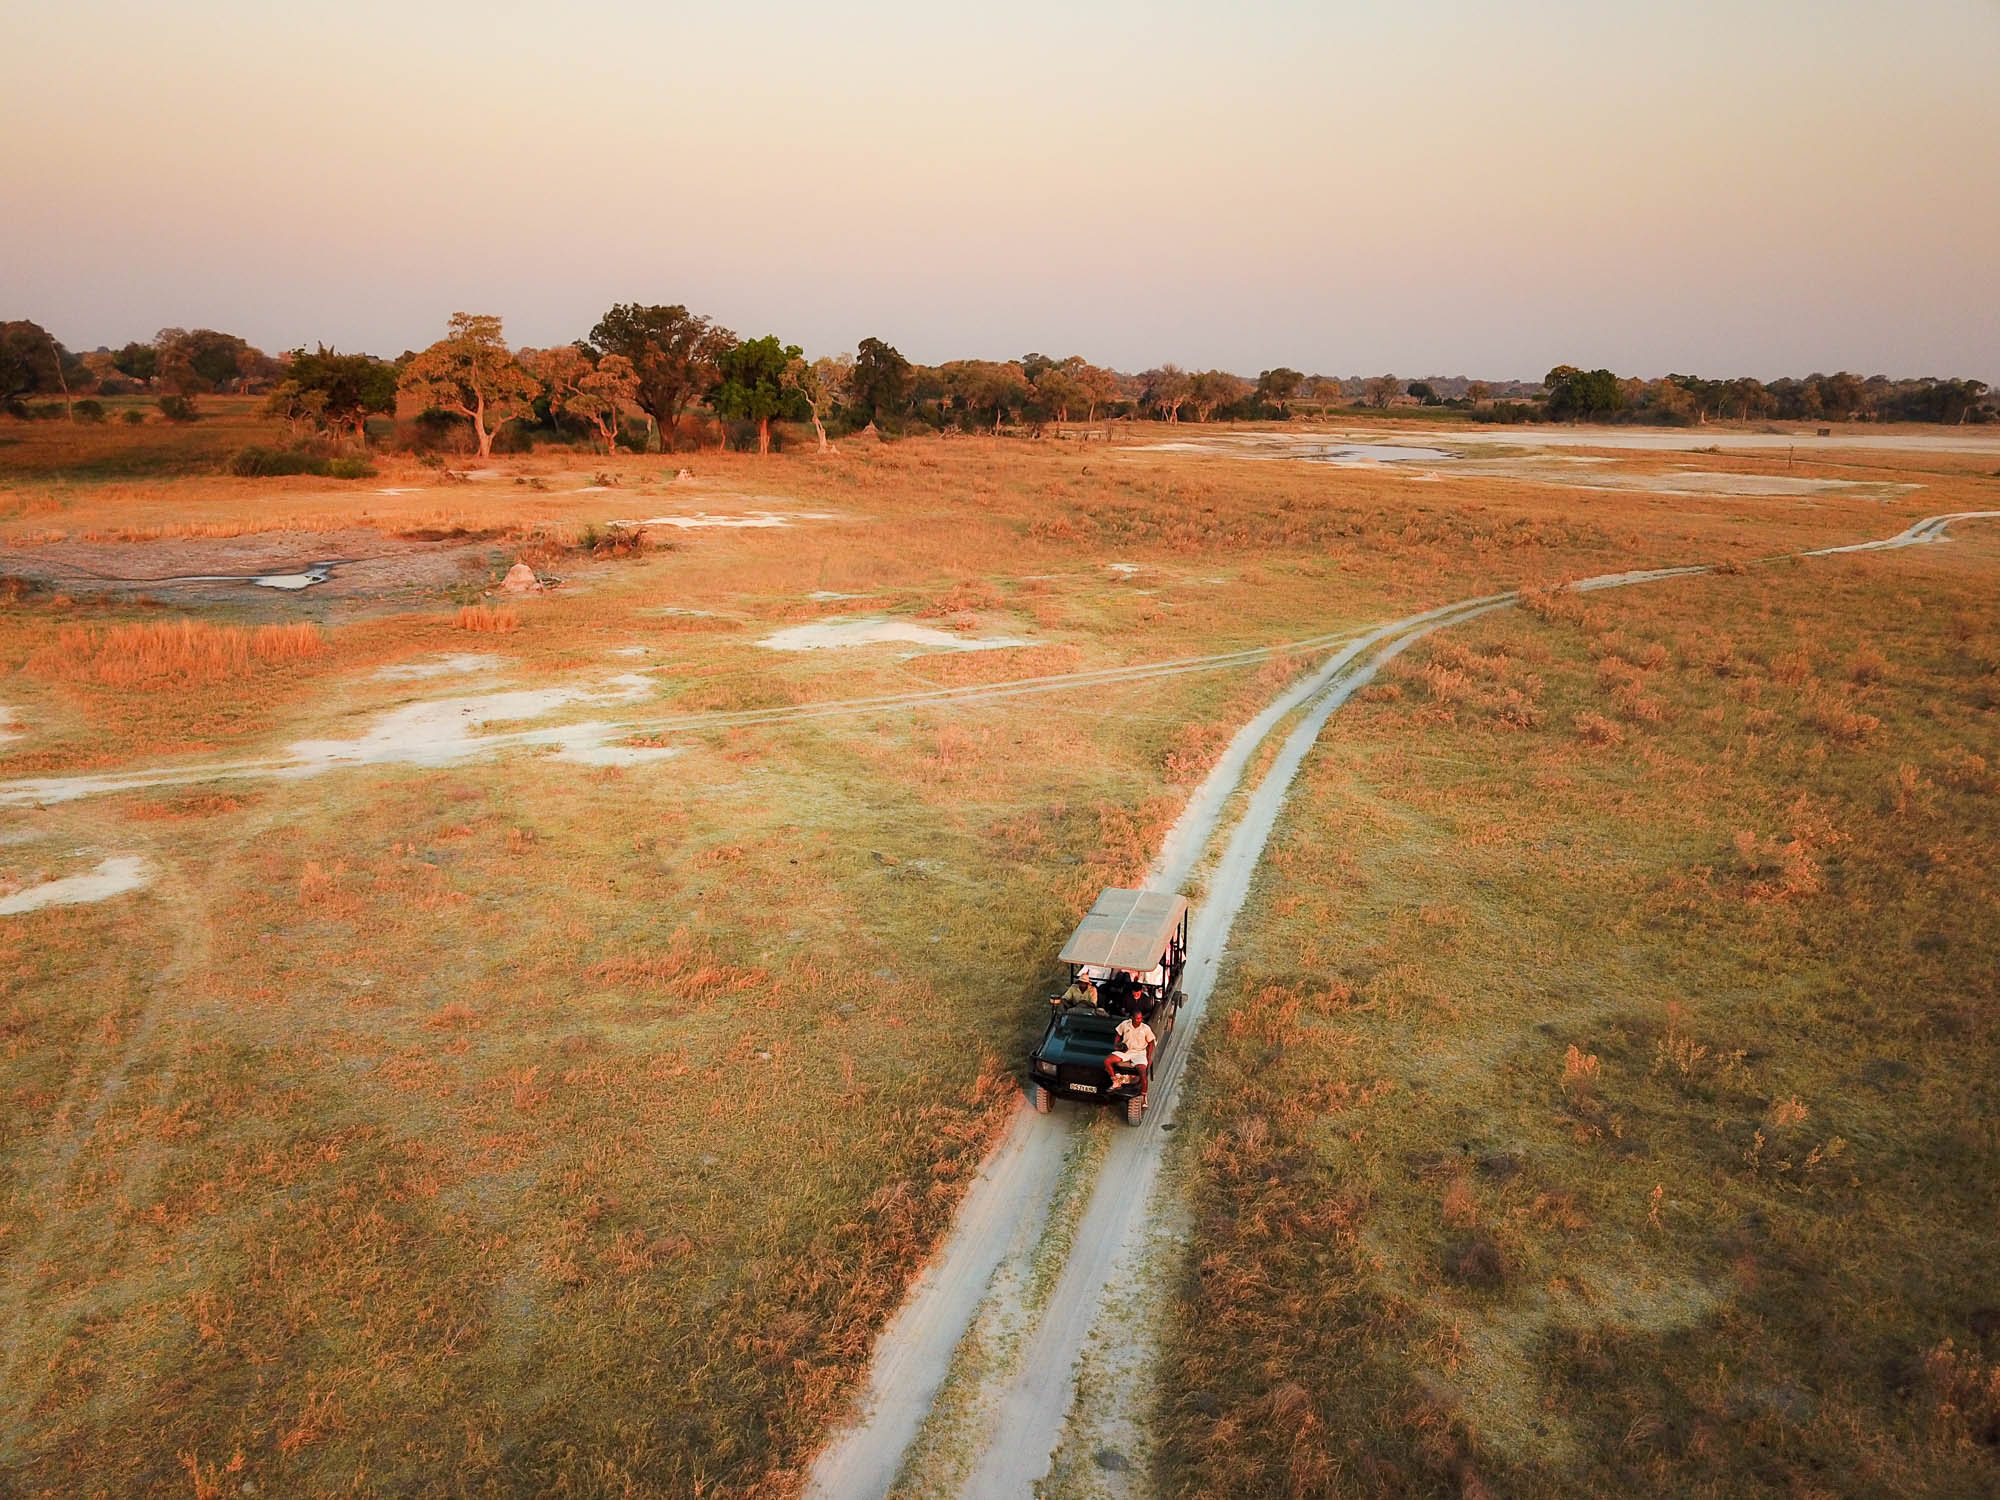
[
  {"x": 1135, "y": 1035},
  {"x": 1080, "y": 994},
  {"x": 1134, "y": 1056}
]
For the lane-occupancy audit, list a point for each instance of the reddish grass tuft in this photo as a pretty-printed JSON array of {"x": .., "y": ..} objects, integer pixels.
[
  {"x": 184, "y": 651},
  {"x": 484, "y": 621}
]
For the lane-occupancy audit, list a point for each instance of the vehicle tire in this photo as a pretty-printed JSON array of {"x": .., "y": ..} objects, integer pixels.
[
  {"x": 1135, "y": 1110},
  {"x": 1040, "y": 1098}
]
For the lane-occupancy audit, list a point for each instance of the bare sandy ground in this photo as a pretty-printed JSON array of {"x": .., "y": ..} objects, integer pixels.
[
  {"x": 112, "y": 877},
  {"x": 878, "y": 630}
]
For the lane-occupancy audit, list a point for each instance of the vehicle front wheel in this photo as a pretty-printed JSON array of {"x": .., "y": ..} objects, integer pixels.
[
  {"x": 1135, "y": 1110},
  {"x": 1039, "y": 1097}
]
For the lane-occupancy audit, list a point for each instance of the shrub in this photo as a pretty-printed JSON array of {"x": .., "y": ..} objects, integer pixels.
[
  {"x": 1595, "y": 729},
  {"x": 134, "y": 417},
  {"x": 264, "y": 463},
  {"x": 478, "y": 618},
  {"x": 177, "y": 408},
  {"x": 88, "y": 410}
]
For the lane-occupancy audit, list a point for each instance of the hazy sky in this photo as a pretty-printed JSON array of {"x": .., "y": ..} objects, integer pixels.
[{"x": 1417, "y": 186}]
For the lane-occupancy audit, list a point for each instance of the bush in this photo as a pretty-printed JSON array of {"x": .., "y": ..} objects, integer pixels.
[
  {"x": 266, "y": 463},
  {"x": 89, "y": 411},
  {"x": 177, "y": 408},
  {"x": 134, "y": 417}
]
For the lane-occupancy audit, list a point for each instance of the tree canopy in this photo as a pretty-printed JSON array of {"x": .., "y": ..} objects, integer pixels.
[
  {"x": 471, "y": 371},
  {"x": 882, "y": 380},
  {"x": 673, "y": 354},
  {"x": 751, "y": 385},
  {"x": 336, "y": 390},
  {"x": 1576, "y": 395},
  {"x": 31, "y": 362}
]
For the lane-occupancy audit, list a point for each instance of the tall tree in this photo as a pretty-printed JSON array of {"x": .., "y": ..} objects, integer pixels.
[
  {"x": 1060, "y": 391},
  {"x": 31, "y": 362},
  {"x": 1210, "y": 390},
  {"x": 1277, "y": 387},
  {"x": 199, "y": 361},
  {"x": 335, "y": 390},
  {"x": 752, "y": 383},
  {"x": 673, "y": 354},
  {"x": 472, "y": 372},
  {"x": 1100, "y": 388},
  {"x": 882, "y": 380},
  {"x": 596, "y": 390},
  {"x": 1578, "y": 395},
  {"x": 823, "y": 382},
  {"x": 137, "y": 361},
  {"x": 1381, "y": 390},
  {"x": 1166, "y": 390}
]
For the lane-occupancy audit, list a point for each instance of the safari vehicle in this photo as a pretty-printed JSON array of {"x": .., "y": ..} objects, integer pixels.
[{"x": 1133, "y": 947}]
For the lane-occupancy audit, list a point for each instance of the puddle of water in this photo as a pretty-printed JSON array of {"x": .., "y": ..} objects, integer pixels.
[
  {"x": 1122, "y": 567},
  {"x": 453, "y": 664},
  {"x": 317, "y": 573},
  {"x": 115, "y": 876},
  {"x": 628, "y": 650},
  {"x": 1357, "y": 455},
  {"x": 876, "y": 630}
]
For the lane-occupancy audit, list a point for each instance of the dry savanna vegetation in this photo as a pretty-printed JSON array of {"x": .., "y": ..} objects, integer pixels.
[
  {"x": 543, "y": 1119},
  {"x": 1604, "y": 1102}
]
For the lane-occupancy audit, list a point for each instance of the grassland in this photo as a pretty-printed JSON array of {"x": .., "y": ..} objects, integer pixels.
[
  {"x": 1604, "y": 1100},
  {"x": 520, "y": 1126}
]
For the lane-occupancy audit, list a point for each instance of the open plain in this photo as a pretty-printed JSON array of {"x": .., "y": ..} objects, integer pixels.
[{"x": 464, "y": 1042}]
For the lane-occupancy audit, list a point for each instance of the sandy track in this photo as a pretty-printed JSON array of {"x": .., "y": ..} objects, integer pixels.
[{"x": 1025, "y": 1406}]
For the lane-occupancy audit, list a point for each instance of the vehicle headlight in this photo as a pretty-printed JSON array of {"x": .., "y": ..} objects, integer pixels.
[{"x": 1042, "y": 1066}]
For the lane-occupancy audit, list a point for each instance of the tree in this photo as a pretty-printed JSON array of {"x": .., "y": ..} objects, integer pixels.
[
  {"x": 596, "y": 390},
  {"x": 1577, "y": 395},
  {"x": 471, "y": 371},
  {"x": 31, "y": 361},
  {"x": 1166, "y": 390},
  {"x": 1058, "y": 388},
  {"x": 1100, "y": 388},
  {"x": 673, "y": 354},
  {"x": 881, "y": 382},
  {"x": 200, "y": 361},
  {"x": 1210, "y": 390},
  {"x": 821, "y": 383},
  {"x": 752, "y": 383},
  {"x": 1479, "y": 393},
  {"x": 331, "y": 389},
  {"x": 1381, "y": 390},
  {"x": 137, "y": 361},
  {"x": 1276, "y": 387},
  {"x": 979, "y": 386},
  {"x": 1424, "y": 391},
  {"x": 297, "y": 407}
]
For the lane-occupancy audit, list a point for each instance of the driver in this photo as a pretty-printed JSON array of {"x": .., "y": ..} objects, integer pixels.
[{"x": 1081, "y": 993}]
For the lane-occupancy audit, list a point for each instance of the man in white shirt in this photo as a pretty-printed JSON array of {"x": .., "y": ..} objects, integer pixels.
[{"x": 1135, "y": 1051}]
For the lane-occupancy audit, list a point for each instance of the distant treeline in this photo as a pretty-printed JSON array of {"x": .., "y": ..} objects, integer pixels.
[{"x": 660, "y": 376}]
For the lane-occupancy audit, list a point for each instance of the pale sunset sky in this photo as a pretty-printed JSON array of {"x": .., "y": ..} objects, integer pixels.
[{"x": 1722, "y": 187}]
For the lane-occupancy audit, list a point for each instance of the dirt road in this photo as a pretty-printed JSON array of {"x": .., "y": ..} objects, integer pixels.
[{"x": 1018, "y": 1410}]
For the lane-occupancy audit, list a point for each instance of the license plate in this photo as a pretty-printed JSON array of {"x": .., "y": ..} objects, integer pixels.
[{"x": 1083, "y": 1088}]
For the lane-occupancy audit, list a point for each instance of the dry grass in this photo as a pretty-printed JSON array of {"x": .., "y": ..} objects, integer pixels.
[
  {"x": 484, "y": 620},
  {"x": 1664, "y": 1162},
  {"x": 181, "y": 651},
  {"x": 522, "y": 1127}
]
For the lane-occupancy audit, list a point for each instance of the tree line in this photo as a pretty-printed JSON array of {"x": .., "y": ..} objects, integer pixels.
[{"x": 657, "y": 376}]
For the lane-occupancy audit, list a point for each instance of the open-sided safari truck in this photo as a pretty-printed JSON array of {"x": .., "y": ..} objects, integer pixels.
[{"x": 1131, "y": 949}]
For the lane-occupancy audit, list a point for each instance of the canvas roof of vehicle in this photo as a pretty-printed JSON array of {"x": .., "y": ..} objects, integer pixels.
[{"x": 1126, "y": 930}]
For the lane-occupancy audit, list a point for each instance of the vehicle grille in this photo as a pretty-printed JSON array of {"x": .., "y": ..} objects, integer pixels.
[{"x": 1070, "y": 1073}]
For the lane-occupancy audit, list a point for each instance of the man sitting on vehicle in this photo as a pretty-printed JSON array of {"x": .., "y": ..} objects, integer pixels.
[
  {"x": 1134, "y": 1054},
  {"x": 1080, "y": 994}
]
